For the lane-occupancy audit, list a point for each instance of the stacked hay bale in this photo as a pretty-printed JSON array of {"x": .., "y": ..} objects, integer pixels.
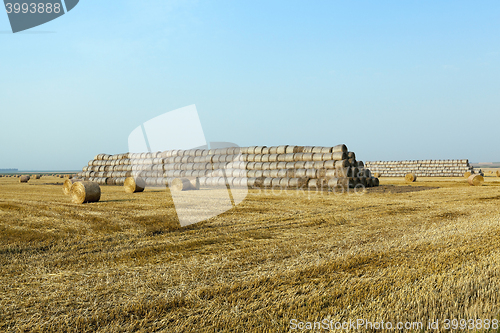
[
  {"x": 257, "y": 166},
  {"x": 421, "y": 168}
]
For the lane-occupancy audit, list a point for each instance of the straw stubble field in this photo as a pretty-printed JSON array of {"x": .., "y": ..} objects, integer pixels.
[{"x": 399, "y": 252}]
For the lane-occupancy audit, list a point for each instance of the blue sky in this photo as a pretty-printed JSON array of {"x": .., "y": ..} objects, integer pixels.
[{"x": 392, "y": 80}]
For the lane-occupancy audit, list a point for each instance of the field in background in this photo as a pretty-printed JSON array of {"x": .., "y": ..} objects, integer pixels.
[{"x": 418, "y": 252}]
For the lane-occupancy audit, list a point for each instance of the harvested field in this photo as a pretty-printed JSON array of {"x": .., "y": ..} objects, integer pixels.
[{"x": 400, "y": 252}]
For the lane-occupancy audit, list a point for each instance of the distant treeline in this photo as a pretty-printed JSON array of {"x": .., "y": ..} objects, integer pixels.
[{"x": 9, "y": 170}]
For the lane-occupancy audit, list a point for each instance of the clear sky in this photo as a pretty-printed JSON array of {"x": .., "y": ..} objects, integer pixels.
[{"x": 391, "y": 79}]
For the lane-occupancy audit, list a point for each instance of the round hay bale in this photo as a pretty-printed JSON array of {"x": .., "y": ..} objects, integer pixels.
[
  {"x": 281, "y": 149},
  {"x": 251, "y": 182},
  {"x": 275, "y": 183},
  {"x": 258, "y": 149},
  {"x": 342, "y": 164},
  {"x": 467, "y": 174},
  {"x": 83, "y": 192},
  {"x": 67, "y": 185},
  {"x": 298, "y": 182},
  {"x": 284, "y": 182},
  {"x": 24, "y": 179},
  {"x": 339, "y": 148},
  {"x": 326, "y": 150},
  {"x": 267, "y": 182},
  {"x": 338, "y": 156},
  {"x": 294, "y": 149},
  {"x": 134, "y": 185},
  {"x": 183, "y": 184},
  {"x": 314, "y": 184},
  {"x": 338, "y": 182},
  {"x": 317, "y": 149},
  {"x": 498, "y": 173},
  {"x": 317, "y": 157},
  {"x": 475, "y": 180},
  {"x": 410, "y": 177}
]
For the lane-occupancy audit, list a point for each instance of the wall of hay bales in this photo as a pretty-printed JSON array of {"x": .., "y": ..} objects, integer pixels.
[
  {"x": 421, "y": 168},
  {"x": 257, "y": 166}
]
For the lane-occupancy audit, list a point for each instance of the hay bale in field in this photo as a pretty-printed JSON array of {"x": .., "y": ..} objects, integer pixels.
[
  {"x": 134, "y": 185},
  {"x": 68, "y": 183},
  {"x": 83, "y": 192},
  {"x": 498, "y": 173},
  {"x": 182, "y": 184},
  {"x": 467, "y": 174},
  {"x": 476, "y": 180},
  {"x": 24, "y": 179},
  {"x": 410, "y": 177}
]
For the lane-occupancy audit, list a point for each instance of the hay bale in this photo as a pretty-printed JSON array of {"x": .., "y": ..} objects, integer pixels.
[
  {"x": 24, "y": 179},
  {"x": 316, "y": 184},
  {"x": 498, "y": 173},
  {"x": 467, "y": 174},
  {"x": 338, "y": 182},
  {"x": 410, "y": 177},
  {"x": 83, "y": 192},
  {"x": 298, "y": 182},
  {"x": 338, "y": 156},
  {"x": 377, "y": 175},
  {"x": 134, "y": 185},
  {"x": 475, "y": 180},
  {"x": 68, "y": 183},
  {"x": 281, "y": 149},
  {"x": 183, "y": 184},
  {"x": 339, "y": 148}
]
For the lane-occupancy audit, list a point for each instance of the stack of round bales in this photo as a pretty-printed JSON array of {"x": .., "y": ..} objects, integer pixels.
[
  {"x": 284, "y": 166},
  {"x": 421, "y": 168}
]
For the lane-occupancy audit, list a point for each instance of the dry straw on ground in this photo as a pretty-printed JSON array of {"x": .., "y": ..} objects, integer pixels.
[
  {"x": 395, "y": 253},
  {"x": 84, "y": 192}
]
